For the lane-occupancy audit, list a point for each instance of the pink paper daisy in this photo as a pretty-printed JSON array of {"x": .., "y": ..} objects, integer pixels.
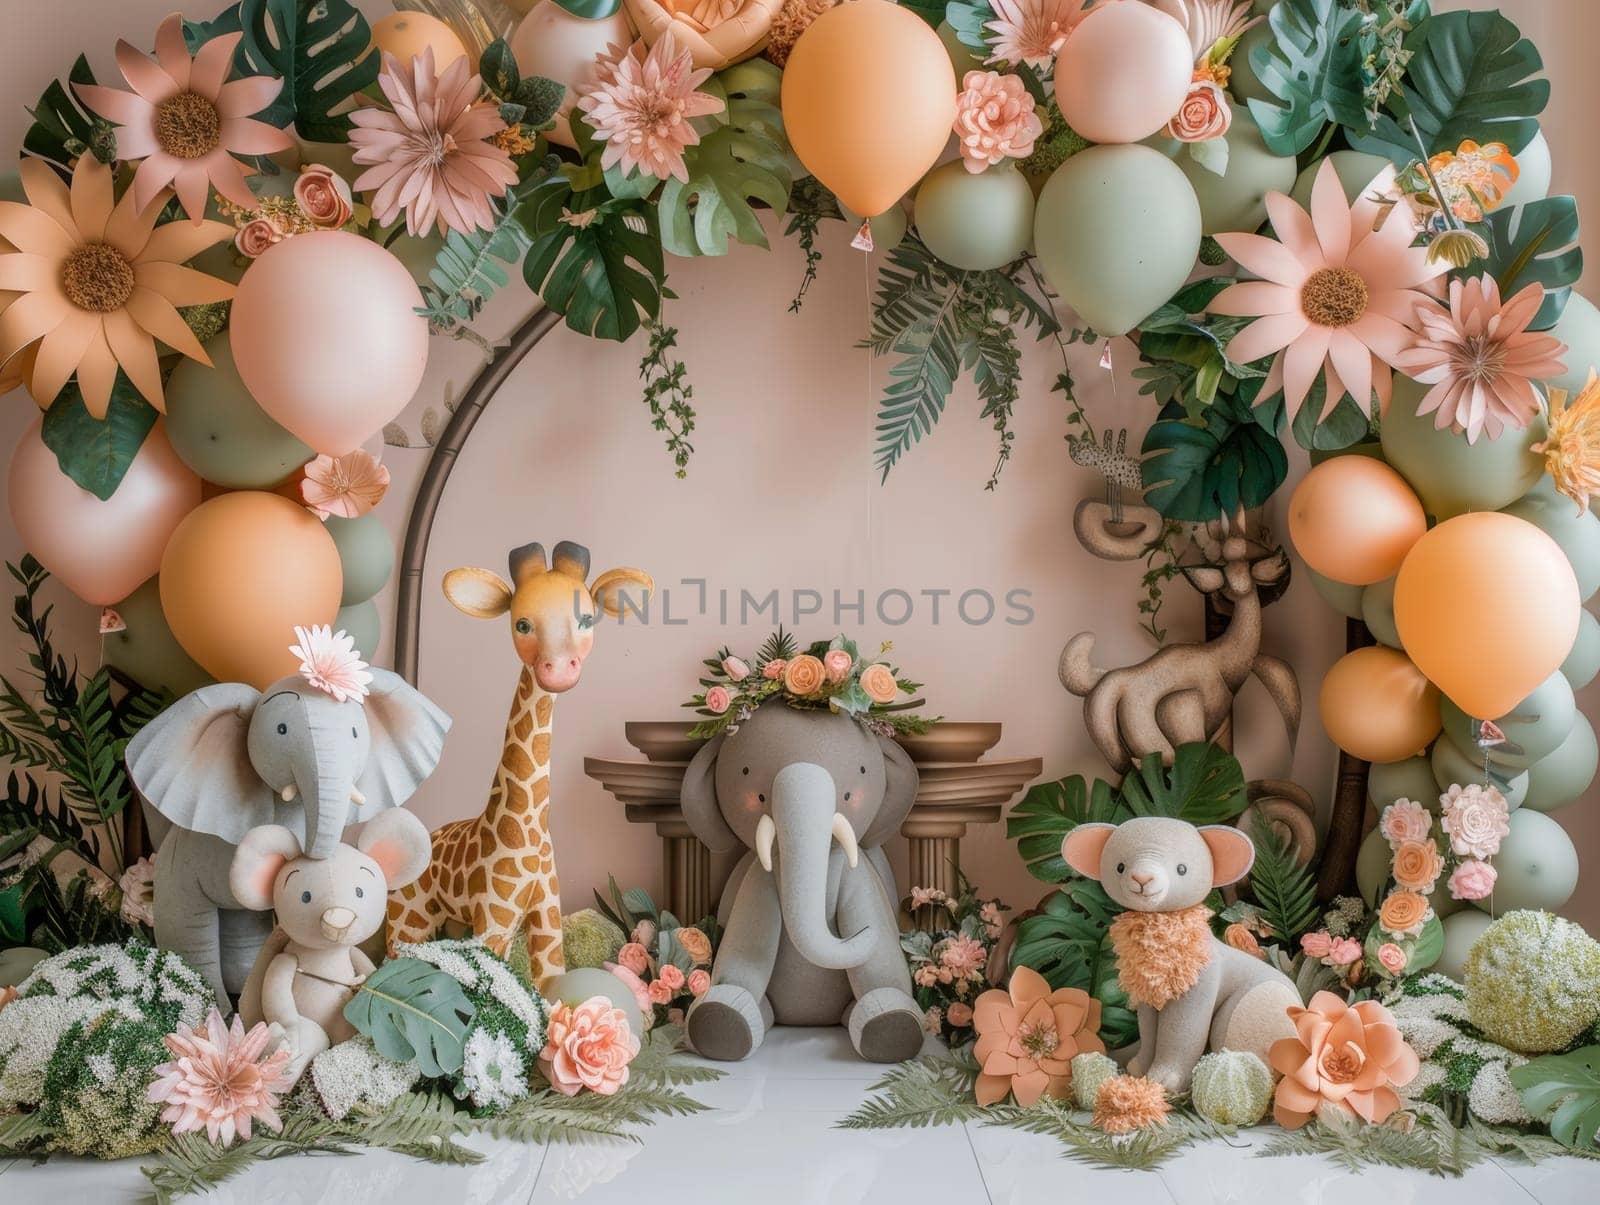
[
  {"x": 221, "y": 1080},
  {"x": 1031, "y": 31},
  {"x": 345, "y": 486},
  {"x": 641, "y": 105},
  {"x": 329, "y": 662}
]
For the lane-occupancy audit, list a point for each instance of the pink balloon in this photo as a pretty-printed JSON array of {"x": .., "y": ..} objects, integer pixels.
[
  {"x": 1123, "y": 73},
  {"x": 101, "y": 551},
  {"x": 327, "y": 339}
]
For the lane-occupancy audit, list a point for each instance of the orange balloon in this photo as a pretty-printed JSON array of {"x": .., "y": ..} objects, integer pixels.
[
  {"x": 869, "y": 96},
  {"x": 1487, "y": 606},
  {"x": 239, "y": 574},
  {"x": 1354, "y": 519},
  {"x": 406, "y": 35},
  {"x": 1378, "y": 706}
]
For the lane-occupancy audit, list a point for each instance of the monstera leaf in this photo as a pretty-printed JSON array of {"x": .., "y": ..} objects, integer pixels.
[
  {"x": 62, "y": 127},
  {"x": 1470, "y": 76},
  {"x": 743, "y": 158},
  {"x": 1537, "y": 241},
  {"x": 594, "y": 259},
  {"x": 1067, "y": 941},
  {"x": 319, "y": 48},
  {"x": 414, "y": 1013},
  {"x": 533, "y": 100},
  {"x": 968, "y": 18},
  {"x": 1204, "y": 786},
  {"x": 1314, "y": 69},
  {"x": 96, "y": 452},
  {"x": 1051, "y": 810},
  {"x": 1196, "y": 469},
  {"x": 1346, "y": 424},
  {"x": 1569, "y": 1084}
]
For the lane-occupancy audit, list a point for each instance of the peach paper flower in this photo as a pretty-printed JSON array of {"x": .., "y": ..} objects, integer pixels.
[
  {"x": 1205, "y": 114},
  {"x": 1345, "y": 1059},
  {"x": 329, "y": 662},
  {"x": 804, "y": 676},
  {"x": 1473, "y": 880},
  {"x": 641, "y": 105},
  {"x": 1336, "y": 297},
  {"x": 1240, "y": 938},
  {"x": 1404, "y": 913},
  {"x": 186, "y": 121},
  {"x": 1417, "y": 866},
  {"x": 1481, "y": 358},
  {"x": 672, "y": 977},
  {"x": 94, "y": 284},
  {"x": 1405, "y": 820},
  {"x": 1028, "y": 1035},
  {"x": 878, "y": 681},
  {"x": 347, "y": 486},
  {"x": 659, "y": 992},
  {"x": 323, "y": 196},
  {"x": 1477, "y": 819},
  {"x": 963, "y": 957},
  {"x": 588, "y": 1046},
  {"x": 1031, "y": 31},
  {"x": 1572, "y": 452},
  {"x": 256, "y": 236},
  {"x": 432, "y": 153},
  {"x": 837, "y": 663},
  {"x": 221, "y": 1080},
  {"x": 995, "y": 120}
]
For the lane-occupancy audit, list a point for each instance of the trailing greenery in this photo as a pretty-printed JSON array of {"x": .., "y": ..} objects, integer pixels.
[
  {"x": 810, "y": 203},
  {"x": 667, "y": 392}
]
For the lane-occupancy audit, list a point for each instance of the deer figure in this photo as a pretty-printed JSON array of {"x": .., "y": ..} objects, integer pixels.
[
  {"x": 1185, "y": 692},
  {"x": 1113, "y": 529}
]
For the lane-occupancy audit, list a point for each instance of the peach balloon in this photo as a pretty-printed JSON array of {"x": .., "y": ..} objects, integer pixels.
[
  {"x": 1353, "y": 519},
  {"x": 869, "y": 96},
  {"x": 406, "y": 35},
  {"x": 239, "y": 574},
  {"x": 1487, "y": 606},
  {"x": 101, "y": 551},
  {"x": 1123, "y": 72},
  {"x": 1377, "y": 706},
  {"x": 326, "y": 337},
  {"x": 558, "y": 45}
]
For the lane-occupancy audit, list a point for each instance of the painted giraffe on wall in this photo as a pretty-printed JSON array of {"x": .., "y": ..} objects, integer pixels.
[{"x": 496, "y": 872}]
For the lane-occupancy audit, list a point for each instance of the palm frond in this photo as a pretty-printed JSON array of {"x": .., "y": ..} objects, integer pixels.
[
  {"x": 1141, "y": 1150},
  {"x": 1285, "y": 891},
  {"x": 1432, "y": 1144},
  {"x": 931, "y": 1090}
]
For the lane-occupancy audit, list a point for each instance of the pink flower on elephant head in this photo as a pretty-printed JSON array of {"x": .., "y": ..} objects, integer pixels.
[
  {"x": 717, "y": 699},
  {"x": 588, "y": 1046},
  {"x": 878, "y": 681},
  {"x": 837, "y": 663}
]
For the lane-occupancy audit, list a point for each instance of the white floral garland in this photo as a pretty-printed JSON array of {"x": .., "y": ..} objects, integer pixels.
[{"x": 1431, "y": 1013}]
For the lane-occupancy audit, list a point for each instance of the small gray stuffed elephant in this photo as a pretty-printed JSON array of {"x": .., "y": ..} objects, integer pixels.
[
  {"x": 228, "y": 758},
  {"x": 312, "y": 964},
  {"x": 810, "y": 933}
]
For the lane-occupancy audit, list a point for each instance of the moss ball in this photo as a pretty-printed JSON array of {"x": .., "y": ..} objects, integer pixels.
[
  {"x": 1232, "y": 1088},
  {"x": 96, "y": 1086},
  {"x": 1089, "y": 1071},
  {"x": 1531, "y": 982},
  {"x": 590, "y": 939}
]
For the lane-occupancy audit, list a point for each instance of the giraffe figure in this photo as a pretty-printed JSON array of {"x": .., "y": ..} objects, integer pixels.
[{"x": 496, "y": 872}]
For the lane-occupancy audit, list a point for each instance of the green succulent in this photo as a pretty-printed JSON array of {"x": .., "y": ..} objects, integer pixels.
[
  {"x": 1089, "y": 1071},
  {"x": 1232, "y": 1088},
  {"x": 589, "y": 939}
]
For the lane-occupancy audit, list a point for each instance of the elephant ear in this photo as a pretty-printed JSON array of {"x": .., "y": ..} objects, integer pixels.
[
  {"x": 192, "y": 763},
  {"x": 701, "y": 811},
  {"x": 899, "y": 793},
  {"x": 407, "y": 741}
]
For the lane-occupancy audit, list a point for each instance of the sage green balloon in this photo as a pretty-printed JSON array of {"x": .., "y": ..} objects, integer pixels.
[
  {"x": 888, "y": 228},
  {"x": 220, "y": 432},
  {"x": 1533, "y": 174},
  {"x": 1377, "y": 609},
  {"x": 147, "y": 651},
  {"x": 974, "y": 221},
  {"x": 366, "y": 554},
  {"x": 1576, "y": 530},
  {"x": 961, "y": 55},
  {"x": 1452, "y": 766},
  {"x": 1562, "y": 777},
  {"x": 1355, "y": 169},
  {"x": 1342, "y": 598},
  {"x": 585, "y": 983},
  {"x": 1237, "y": 199},
  {"x": 1537, "y": 865},
  {"x": 1450, "y": 475},
  {"x": 1410, "y": 779},
  {"x": 1579, "y": 328},
  {"x": 364, "y": 626},
  {"x": 1460, "y": 932},
  {"x": 1539, "y": 725},
  {"x": 1374, "y": 861},
  {"x": 1117, "y": 232},
  {"x": 1243, "y": 81},
  {"x": 1583, "y": 662}
]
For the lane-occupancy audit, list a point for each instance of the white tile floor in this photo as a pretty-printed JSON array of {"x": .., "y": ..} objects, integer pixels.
[{"x": 770, "y": 1141}]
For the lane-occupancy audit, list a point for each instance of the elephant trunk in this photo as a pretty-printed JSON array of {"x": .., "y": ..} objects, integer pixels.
[
  {"x": 806, "y": 824},
  {"x": 327, "y": 799}
]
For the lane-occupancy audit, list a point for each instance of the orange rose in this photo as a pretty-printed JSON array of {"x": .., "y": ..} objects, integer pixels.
[
  {"x": 1240, "y": 938},
  {"x": 878, "y": 681},
  {"x": 696, "y": 944},
  {"x": 1404, "y": 913},
  {"x": 804, "y": 676},
  {"x": 1417, "y": 865}
]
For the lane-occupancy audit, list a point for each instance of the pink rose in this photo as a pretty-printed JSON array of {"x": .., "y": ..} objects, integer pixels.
[
  {"x": 255, "y": 236},
  {"x": 837, "y": 663},
  {"x": 1404, "y": 821},
  {"x": 735, "y": 669},
  {"x": 959, "y": 1014},
  {"x": 1316, "y": 945},
  {"x": 1477, "y": 818},
  {"x": 1391, "y": 958},
  {"x": 995, "y": 120},
  {"x": 641, "y": 994},
  {"x": 1345, "y": 950},
  {"x": 635, "y": 957},
  {"x": 699, "y": 983},
  {"x": 659, "y": 992},
  {"x": 589, "y": 1046},
  {"x": 717, "y": 700},
  {"x": 878, "y": 681},
  {"x": 772, "y": 671},
  {"x": 671, "y": 976},
  {"x": 322, "y": 196},
  {"x": 1205, "y": 114},
  {"x": 1473, "y": 880}
]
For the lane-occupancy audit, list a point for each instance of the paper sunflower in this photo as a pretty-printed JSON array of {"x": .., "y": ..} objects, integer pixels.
[{"x": 95, "y": 283}]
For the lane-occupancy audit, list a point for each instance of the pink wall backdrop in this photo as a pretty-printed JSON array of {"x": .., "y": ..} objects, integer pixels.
[{"x": 781, "y": 495}]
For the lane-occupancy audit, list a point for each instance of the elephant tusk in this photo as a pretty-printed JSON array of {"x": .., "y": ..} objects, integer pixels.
[
  {"x": 289, "y": 792},
  {"x": 846, "y": 837},
  {"x": 356, "y": 797},
  {"x": 766, "y": 833}
]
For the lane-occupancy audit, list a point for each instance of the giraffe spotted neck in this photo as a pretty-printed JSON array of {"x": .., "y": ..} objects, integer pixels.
[{"x": 519, "y": 799}]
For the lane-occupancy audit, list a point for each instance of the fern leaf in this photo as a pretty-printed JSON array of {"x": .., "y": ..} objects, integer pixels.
[
  {"x": 915, "y": 398},
  {"x": 1285, "y": 891},
  {"x": 1141, "y": 1150},
  {"x": 468, "y": 269},
  {"x": 928, "y": 1091}
]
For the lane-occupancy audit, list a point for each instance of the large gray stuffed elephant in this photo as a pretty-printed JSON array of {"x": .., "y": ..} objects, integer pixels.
[
  {"x": 227, "y": 758},
  {"x": 810, "y": 935}
]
